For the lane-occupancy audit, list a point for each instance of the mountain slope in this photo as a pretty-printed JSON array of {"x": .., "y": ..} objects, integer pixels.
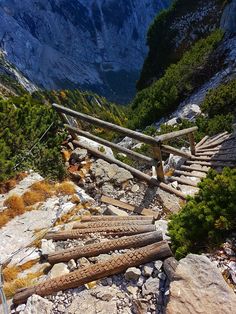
[{"x": 98, "y": 45}]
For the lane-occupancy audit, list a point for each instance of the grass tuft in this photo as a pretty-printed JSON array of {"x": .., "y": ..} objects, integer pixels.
[
  {"x": 42, "y": 187},
  {"x": 15, "y": 204},
  {"x": 65, "y": 188},
  {"x": 32, "y": 197}
]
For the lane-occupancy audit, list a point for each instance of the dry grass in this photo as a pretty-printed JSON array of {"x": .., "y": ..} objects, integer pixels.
[
  {"x": 32, "y": 197},
  {"x": 68, "y": 216},
  {"x": 11, "y": 272},
  {"x": 11, "y": 287},
  {"x": 75, "y": 199},
  {"x": 170, "y": 173},
  {"x": 11, "y": 183},
  {"x": 15, "y": 205},
  {"x": 4, "y": 218},
  {"x": 65, "y": 188},
  {"x": 43, "y": 187}
]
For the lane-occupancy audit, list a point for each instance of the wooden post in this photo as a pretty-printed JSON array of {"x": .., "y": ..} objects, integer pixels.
[
  {"x": 115, "y": 265},
  {"x": 192, "y": 143},
  {"x": 158, "y": 167}
]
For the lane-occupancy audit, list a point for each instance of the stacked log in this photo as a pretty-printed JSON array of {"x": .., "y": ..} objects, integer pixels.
[
  {"x": 114, "y": 265},
  {"x": 104, "y": 247}
]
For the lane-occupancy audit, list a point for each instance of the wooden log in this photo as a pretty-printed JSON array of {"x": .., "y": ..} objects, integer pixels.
[
  {"x": 183, "y": 167},
  {"x": 183, "y": 181},
  {"x": 211, "y": 163},
  {"x": 215, "y": 158},
  {"x": 114, "y": 265},
  {"x": 135, "y": 172},
  {"x": 159, "y": 167},
  {"x": 205, "y": 138},
  {"x": 88, "y": 218},
  {"x": 171, "y": 190},
  {"x": 216, "y": 143},
  {"x": 140, "y": 175},
  {"x": 107, "y": 125},
  {"x": 216, "y": 137},
  {"x": 175, "y": 151},
  {"x": 96, "y": 249},
  {"x": 189, "y": 174},
  {"x": 114, "y": 231},
  {"x": 172, "y": 135},
  {"x": 192, "y": 143},
  {"x": 132, "y": 154},
  {"x": 217, "y": 148},
  {"x": 131, "y": 208},
  {"x": 170, "y": 265},
  {"x": 98, "y": 224}
]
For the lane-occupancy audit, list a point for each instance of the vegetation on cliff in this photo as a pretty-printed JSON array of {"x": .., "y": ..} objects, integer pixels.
[
  {"x": 179, "y": 81},
  {"x": 167, "y": 42}
]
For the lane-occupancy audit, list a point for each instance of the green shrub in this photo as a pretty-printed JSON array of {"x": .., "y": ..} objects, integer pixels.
[
  {"x": 179, "y": 81},
  {"x": 221, "y": 100},
  {"x": 206, "y": 219}
]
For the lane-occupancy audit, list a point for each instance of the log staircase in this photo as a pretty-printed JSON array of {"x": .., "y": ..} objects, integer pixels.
[{"x": 211, "y": 152}]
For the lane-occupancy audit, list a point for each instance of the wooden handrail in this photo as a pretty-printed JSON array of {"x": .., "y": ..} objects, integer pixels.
[
  {"x": 100, "y": 140},
  {"x": 172, "y": 135},
  {"x": 107, "y": 125}
]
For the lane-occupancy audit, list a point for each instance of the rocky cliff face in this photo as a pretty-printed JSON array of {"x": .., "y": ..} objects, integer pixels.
[{"x": 98, "y": 45}]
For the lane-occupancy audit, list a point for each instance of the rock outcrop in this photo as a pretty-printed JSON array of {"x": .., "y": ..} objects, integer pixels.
[
  {"x": 199, "y": 288},
  {"x": 90, "y": 44}
]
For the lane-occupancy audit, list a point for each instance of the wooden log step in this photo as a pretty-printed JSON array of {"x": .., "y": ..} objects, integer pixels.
[
  {"x": 96, "y": 249},
  {"x": 205, "y": 138},
  {"x": 183, "y": 167},
  {"x": 87, "y": 218},
  {"x": 131, "y": 208},
  {"x": 210, "y": 163},
  {"x": 189, "y": 174},
  {"x": 81, "y": 233},
  {"x": 183, "y": 181},
  {"x": 217, "y": 142},
  {"x": 213, "y": 149},
  {"x": 216, "y": 137},
  {"x": 218, "y": 152},
  {"x": 114, "y": 265},
  {"x": 215, "y": 158},
  {"x": 98, "y": 224}
]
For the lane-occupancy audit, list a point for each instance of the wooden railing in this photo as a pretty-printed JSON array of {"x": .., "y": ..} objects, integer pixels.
[{"x": 156, "y": 143}]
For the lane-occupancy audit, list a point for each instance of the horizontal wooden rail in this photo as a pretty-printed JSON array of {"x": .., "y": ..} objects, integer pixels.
[
  {"x": 175, "y": 151},
  {"x": 135, "y": 172},
  {"x": 124, "y": 150},
  {"x": 107, "y": 125},
  {"x": 172, "y": 135}
]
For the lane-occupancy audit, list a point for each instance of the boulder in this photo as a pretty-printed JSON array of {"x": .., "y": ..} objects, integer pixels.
[
  {"x": 190, "y": 112},
  {"x": 47, "y": 246},
  {"x": 199, "y": 288},
  {"x": 127, "y": 142},
  {"x": 78, "y": 155},
  {"x": 112, "y": 210},
  {"x": 104, "y": 172},
  {"x": 58, "y": 270},
  {"x": 132, "y": 273},
  {"x": 151, "y": 286},
  {"x": 36, "y": 304},
  {"x": 91, "y": 144}
]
